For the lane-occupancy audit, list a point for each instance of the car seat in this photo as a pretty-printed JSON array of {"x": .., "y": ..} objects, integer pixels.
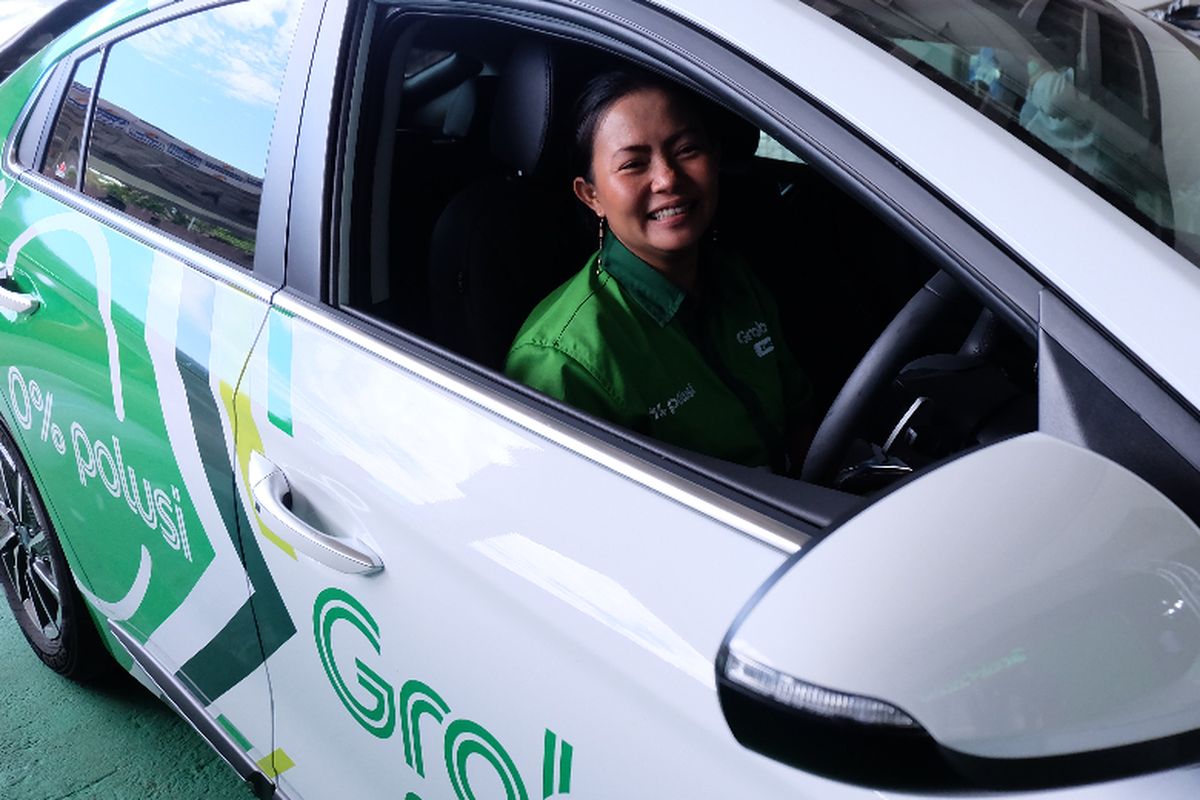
[{"x": 504, "y": 242}]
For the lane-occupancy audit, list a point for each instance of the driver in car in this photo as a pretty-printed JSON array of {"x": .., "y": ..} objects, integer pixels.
[{"x": 663, "y": 331}]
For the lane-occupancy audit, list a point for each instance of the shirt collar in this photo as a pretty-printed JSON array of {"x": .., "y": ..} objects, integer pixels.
[{"x": 652, "y": 290}]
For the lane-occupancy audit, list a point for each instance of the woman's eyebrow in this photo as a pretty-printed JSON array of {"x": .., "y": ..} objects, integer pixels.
[
  {"x": 636, "y": 149},
  {"x": 682, "y": 133},
  {"x": 640, "y": 149}
]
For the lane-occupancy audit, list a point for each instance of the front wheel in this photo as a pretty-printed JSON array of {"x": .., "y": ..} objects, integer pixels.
[{"x": 37, "y": 580}]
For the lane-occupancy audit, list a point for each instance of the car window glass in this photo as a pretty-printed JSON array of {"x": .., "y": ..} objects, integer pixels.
[
  {"x": 193, "y": 169},
  {"x": 769, "y": 148},
  {"x": 420, "y": 60},
  {"x": 62, "y": 154},
  {"x": 1098, "y": 88},
  {"x": 455, "y": 235}
]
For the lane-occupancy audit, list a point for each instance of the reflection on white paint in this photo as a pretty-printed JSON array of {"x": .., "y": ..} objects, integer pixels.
[
  {"x": 417, "y": 419},
  {"x": 16, "y": 15},
  {"x": 598, "y": 596}
]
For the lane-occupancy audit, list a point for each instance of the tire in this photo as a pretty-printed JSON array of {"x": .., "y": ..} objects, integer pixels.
[{"x": 37, "y": 580}]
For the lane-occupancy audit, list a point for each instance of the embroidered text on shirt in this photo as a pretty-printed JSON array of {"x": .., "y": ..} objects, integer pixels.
[{"x": 672, "y": 404}]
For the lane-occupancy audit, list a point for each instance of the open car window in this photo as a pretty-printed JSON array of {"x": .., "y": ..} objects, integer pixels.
[{"x": 456, "y": 230}]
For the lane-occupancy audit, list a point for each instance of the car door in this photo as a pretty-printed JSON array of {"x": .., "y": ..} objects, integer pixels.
[
  {"x": 132, "y": 299},
  {"x": 489, "y": 604},
  {"x": 504, "y": 596}
]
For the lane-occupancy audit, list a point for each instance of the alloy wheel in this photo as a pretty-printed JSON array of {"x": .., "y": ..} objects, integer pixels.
[{"x": 25, "y": 557}]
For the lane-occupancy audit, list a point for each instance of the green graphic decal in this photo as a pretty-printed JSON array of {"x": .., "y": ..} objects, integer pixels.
[
  {"x": 275, "y": 626},
  {"x": 234, "y": 733},
  {"x": 464, "y": 739},
  {"x": 239, "y": 648},
  {"x": 249, "y": 440},
  {"x": 276, "y": 764},
  {"x": 418, "y": 700},
  {"x": 279, "y": 362},
  {"x": 334, "y": 605},
  {"x": 262, "y": 624},
  {"x": 109, "y": 388},
  {"x": 160, "y": 507},
  {"x": 550, "y": 766},
  {"x": 97, "y": 245},
  {"x": 225, "y": 660}
]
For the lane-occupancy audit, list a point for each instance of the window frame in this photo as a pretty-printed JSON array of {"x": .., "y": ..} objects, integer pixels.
[{"x": 855, "y": 166}]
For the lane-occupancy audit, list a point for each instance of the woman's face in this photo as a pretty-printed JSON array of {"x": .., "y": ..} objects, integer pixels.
[{"x": 655, "y": 177}]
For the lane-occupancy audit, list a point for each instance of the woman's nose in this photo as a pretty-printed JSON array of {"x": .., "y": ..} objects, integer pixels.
[{"x": 664, "y": 175}]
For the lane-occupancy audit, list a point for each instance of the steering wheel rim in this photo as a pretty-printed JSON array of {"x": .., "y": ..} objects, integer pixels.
[{"x": 905, "y": 337}]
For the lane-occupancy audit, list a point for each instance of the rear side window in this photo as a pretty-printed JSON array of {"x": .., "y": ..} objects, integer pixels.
[
  {"x": 183, "y": 121},
  {"x": 61, "y": 162}
]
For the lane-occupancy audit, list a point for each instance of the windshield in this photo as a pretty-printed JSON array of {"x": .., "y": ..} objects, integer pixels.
[{"x": 1105, "y": 92}]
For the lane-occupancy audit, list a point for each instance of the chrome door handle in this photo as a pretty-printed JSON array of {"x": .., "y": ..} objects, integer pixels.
[
  {"x": 268, "y": 488},
  {"x": 20, "y": 304}
]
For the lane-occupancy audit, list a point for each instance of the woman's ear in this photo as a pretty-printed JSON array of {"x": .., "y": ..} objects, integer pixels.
[{"x": 586, "y": 192}]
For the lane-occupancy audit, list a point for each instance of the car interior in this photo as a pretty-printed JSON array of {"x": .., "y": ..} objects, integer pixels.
[{"x": 461, "y": 218}]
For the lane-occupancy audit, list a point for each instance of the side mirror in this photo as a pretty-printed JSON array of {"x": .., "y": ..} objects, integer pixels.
[{"x": 1026, "y": 615}]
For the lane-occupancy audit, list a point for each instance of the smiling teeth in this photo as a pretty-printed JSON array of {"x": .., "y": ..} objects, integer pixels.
[{"x": 667, "y": 213}]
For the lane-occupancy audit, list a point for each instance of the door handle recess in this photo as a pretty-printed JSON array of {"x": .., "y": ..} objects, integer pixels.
[
  {"x": 18, "y": 303},
  {"x": 268, "y": 488}
]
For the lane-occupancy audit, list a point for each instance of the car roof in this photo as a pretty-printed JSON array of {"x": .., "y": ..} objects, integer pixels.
[{"x": 1139, "y": 289}]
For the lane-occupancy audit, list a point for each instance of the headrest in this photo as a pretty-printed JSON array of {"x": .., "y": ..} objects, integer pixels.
[
  {"x": 523, "y": 107},
  {"x": 461, "y": 112}
]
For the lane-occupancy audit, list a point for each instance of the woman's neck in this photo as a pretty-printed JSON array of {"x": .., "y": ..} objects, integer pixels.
[{"x": 679, "y": 268}]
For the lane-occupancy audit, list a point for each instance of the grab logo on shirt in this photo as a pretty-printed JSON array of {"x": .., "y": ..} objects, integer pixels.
[{"x": 756, "y": 334}]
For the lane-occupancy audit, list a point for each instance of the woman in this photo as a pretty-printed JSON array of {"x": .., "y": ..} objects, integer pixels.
[{"x": 661, "y": 331}]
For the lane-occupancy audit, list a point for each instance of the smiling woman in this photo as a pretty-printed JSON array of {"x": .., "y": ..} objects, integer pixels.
[{"x": 662, "y": 331}]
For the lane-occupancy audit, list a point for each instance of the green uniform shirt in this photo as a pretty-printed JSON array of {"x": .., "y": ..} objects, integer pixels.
[{"x": 709, "y": 372}]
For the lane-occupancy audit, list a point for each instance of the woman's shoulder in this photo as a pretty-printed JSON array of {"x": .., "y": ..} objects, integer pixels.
[{"x": 552, "y": 318}]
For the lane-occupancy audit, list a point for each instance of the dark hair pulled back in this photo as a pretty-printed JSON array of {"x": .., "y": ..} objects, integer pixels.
[{"x": 599, "y": 95}]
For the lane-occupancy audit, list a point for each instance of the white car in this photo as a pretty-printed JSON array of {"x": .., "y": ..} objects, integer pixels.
[{"x": 262, "y": 262}]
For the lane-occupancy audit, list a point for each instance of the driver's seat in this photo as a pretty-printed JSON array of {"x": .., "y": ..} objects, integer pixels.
[{"x": 503, "y": 243}]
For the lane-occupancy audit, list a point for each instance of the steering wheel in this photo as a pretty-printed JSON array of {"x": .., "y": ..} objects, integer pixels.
[{"x": 907, "y": 336}]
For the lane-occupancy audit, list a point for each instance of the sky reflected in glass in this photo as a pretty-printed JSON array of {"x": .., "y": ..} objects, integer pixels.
[{"x": 209, "y": 78}]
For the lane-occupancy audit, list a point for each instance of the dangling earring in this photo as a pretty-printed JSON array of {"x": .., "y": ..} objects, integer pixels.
[{"x": 600, "y": 250}]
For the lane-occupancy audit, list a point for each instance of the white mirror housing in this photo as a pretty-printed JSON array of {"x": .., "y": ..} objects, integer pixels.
[{"x": 1030, "y": 603}]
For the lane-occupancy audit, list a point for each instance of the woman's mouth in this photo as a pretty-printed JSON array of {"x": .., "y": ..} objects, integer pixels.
[{"x": 670, "y": 211}]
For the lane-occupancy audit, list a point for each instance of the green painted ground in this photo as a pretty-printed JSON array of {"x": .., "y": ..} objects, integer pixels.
[{"x": 60, "y": 740}]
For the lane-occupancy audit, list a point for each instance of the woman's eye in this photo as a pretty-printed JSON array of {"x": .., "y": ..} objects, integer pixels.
[{"x": 632, "y": 165}]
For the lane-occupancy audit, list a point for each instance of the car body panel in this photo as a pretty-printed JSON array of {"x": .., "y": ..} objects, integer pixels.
[
  {"x": 1088, "y": 644},
  {"x": 528, "y": 591},
  {"x": 123, "y": 431},
  {"x": 123, "y": 425}
]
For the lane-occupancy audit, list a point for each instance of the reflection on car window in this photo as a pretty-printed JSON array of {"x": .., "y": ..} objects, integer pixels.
[
  {"x": 1082, "y": 82},
  {"x": 62, "y": 154},
  {"x": 421, "y": 59},
  {"x": 194, "y": 169},
  {"x": 769, "y": 148}
]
